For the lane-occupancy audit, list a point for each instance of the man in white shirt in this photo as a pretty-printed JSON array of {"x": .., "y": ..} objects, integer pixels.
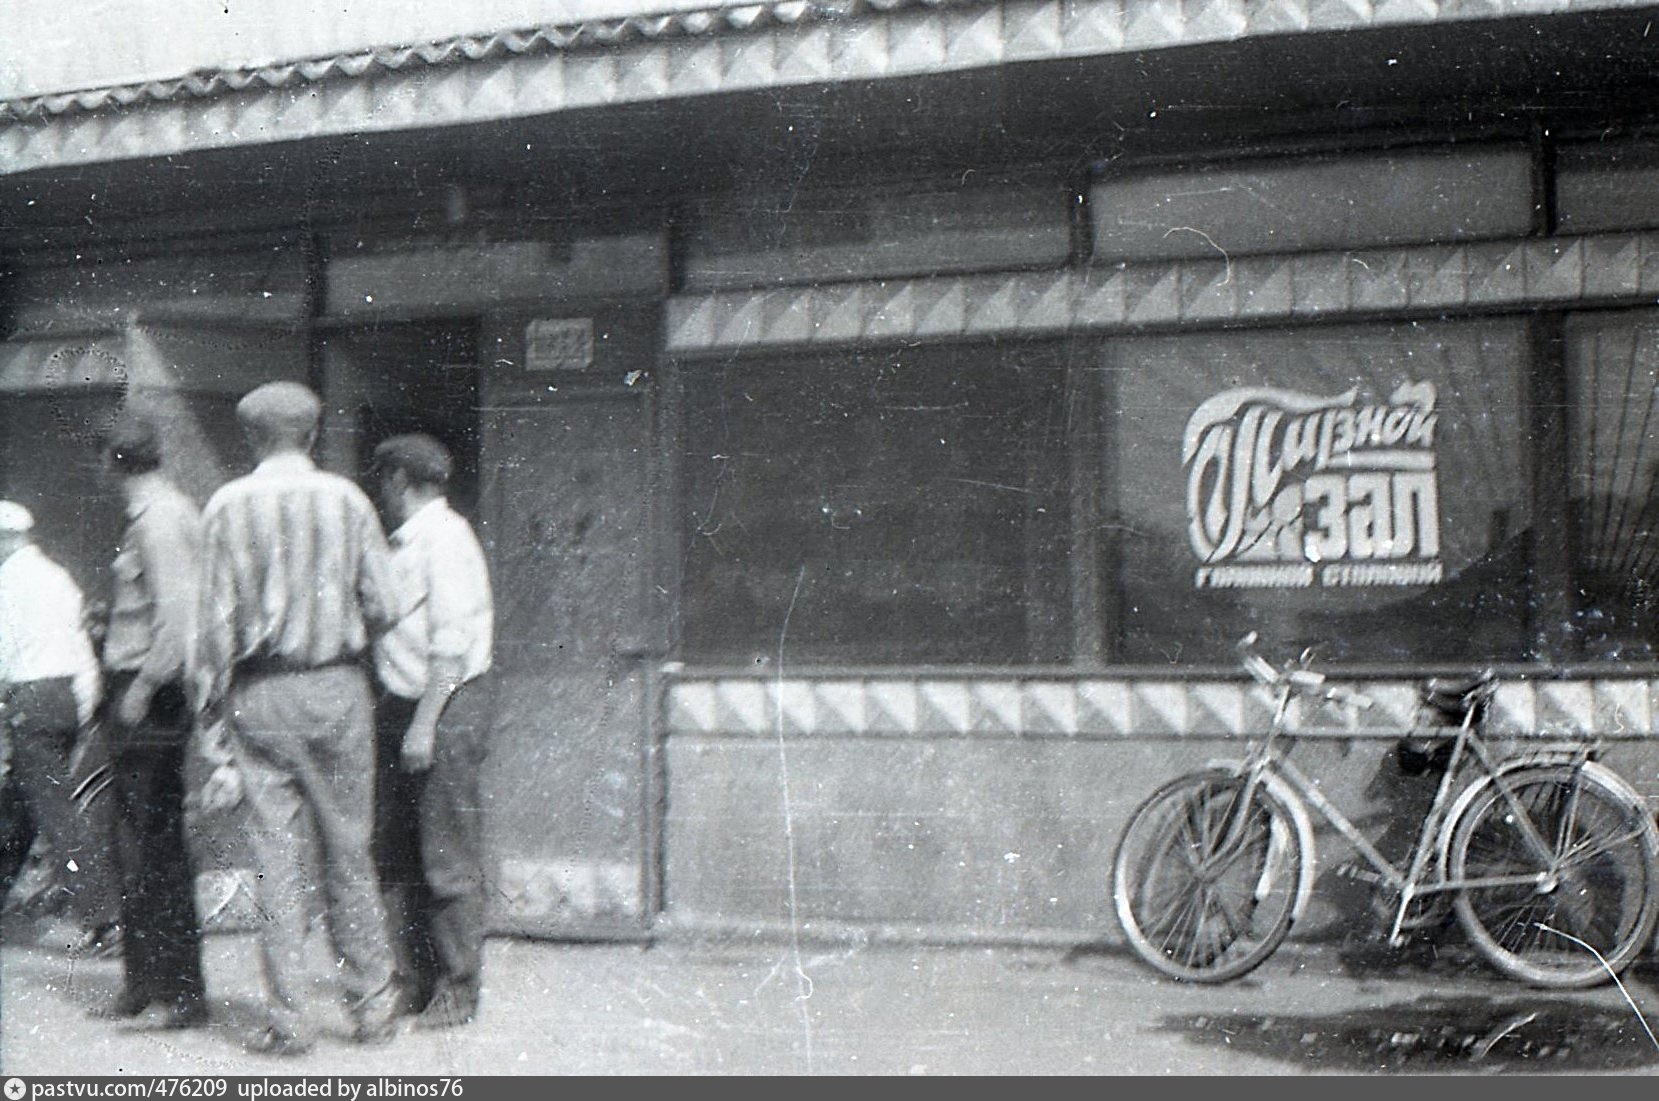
[
  {"x": 432, "y": 718},
  {"x": 49, "y": 687}
]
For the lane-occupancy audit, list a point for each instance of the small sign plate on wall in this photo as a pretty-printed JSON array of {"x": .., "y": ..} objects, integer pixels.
[{"x": 559, "y": 344}]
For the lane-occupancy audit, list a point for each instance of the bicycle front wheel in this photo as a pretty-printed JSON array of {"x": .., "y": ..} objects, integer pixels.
[
  {"x": 1205, "y": 886},
  {"x": 1590, "y": 847}
]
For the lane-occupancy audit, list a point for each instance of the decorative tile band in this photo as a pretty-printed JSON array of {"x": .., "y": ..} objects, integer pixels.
[
  {"x": 723, "y": 49},
  {"x": 1011, "y": 706},
  {"x": 1303, "y": 286}
]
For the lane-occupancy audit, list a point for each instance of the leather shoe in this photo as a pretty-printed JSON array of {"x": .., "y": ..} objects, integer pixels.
[
  {"x": 280, "y": 1042},
  {"x": 128, "y": 1003},
  {"x": 103, "y": 942},
  {"x": 449, "y": 1008},
  {"x": 184, "y": 1014},
  {"x": 376, "y": 1015}
]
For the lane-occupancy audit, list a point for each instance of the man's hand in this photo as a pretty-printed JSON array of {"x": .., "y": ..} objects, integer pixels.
[
  {"x": 418, "y": 746},
  {"x": 222, "y": 790},
  {"x": 134, "y": 703}
]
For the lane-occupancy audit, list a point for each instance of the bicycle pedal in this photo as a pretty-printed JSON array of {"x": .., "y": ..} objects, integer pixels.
[{"x": 1357, "y": 874}]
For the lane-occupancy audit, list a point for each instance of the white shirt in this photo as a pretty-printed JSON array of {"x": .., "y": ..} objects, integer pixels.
[
  {"x": 42, "y": 635},
  {"x": 440, "y": 570}
]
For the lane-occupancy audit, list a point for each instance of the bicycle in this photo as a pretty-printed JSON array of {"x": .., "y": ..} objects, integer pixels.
[{"x": 1550, "y": 858}]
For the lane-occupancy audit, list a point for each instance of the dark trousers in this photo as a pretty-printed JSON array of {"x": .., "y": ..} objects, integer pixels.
[
  {"x": 163, "y": 947},
  {"x": 429, "y": 845},
  {"x": 37, "y": 801}
]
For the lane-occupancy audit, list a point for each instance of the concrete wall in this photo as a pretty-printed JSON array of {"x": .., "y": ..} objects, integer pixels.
[{"x": 952, "y": 809}]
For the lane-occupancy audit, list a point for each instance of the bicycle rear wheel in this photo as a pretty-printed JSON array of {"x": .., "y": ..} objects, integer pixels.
[
  {"x": 1198, "y": 900},
  {"x": 1595, "y": 909}
]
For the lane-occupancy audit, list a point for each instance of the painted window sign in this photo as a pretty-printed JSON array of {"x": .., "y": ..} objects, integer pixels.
[{"x": 1288, "y": 489}]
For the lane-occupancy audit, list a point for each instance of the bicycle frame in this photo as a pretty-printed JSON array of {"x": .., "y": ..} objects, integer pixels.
[{"x": 1425, "y": 872}]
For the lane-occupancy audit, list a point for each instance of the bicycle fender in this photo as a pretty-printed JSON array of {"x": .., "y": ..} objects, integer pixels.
[
  {"x": 1300, "y": 820},
  {"x": 1545, "y": 757}
]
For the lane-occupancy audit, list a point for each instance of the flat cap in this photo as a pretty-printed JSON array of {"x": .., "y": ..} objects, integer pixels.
[
  {"x": 418, "y": 455},
  {"x": 15, "y": 518},
  {"x": 285, "y": 406},
  {"x": 134, "y": 444}
]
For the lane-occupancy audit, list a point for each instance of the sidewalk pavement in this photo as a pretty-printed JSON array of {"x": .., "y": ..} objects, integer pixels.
[{"x": 766, "y": 1008}]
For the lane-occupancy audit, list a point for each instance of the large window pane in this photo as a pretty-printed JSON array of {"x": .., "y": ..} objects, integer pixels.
[
  {"x": 872, "y": 507},
  {"x": 1613, "y": 414},
  {"x": 1293, "y": 204},
  {"x": 1360, "y": 488}
]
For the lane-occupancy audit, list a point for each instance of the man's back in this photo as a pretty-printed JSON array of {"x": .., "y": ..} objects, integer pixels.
[{"x": 296, "y": 569}]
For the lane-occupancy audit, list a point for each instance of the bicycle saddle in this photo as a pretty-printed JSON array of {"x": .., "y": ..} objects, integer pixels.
[{"x": 1452, "y": 700}]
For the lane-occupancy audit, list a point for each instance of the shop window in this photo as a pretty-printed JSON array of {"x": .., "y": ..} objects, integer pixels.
[
  {"x": 789, "y": 237},
  {"x": 1605, "y": 186},
  {"x": 904, "y": 506},
  {"x": 1613, "y": 488},
  {"x": 1362, "y": 489},
  {"x": 1351, "y": 201}
]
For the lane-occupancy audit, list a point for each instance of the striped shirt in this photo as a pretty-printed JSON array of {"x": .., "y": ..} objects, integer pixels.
[{"x": 295, "y": 574}]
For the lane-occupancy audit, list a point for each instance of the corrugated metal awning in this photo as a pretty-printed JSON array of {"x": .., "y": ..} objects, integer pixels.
[{"x": 546, "y": 70}]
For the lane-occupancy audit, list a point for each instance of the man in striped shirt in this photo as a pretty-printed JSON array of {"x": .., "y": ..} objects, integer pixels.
[{"x": 296, "y": 577}]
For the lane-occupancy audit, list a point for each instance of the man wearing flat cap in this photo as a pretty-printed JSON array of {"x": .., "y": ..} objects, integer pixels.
[
  {"x": 49, "y": 686},
  {"x": 295, "y": 578},
  {"x": 147, "y": 715},
  {"x": 432, "y": 717}
]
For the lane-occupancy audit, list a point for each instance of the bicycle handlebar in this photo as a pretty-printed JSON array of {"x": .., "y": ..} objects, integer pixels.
[{"x": 1298, "y": 678}]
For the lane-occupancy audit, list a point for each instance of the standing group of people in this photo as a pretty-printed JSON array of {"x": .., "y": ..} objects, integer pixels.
[{"x": 330, "y": 677}]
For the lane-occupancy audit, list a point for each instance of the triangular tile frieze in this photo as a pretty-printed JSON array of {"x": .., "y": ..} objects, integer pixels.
[
  {"x": 1377, "y": 280},
  {"x": 1555, "y": 271},
  {"x": 1209, "y": 291},
  {"x": 1497, "y": 273},
  {"x": 943, "y": 708},
  {"x": 973, "y": 36},
  {"x": 1107, "y": 298},
  {"x": 748, "y": 61},
  {"x": 1153, "y": 21},
  {"x": 740, "y": 707},
  {"x": 1563, "y": 707},
  {"x": 995, "y": 706},
  {"x": 1277, "y": 16},
  {"x": 1612, "y": 266},
  {"x": 804, "y": 55},
  {"x": 691, "y": 708},
  {"x": 916, "y": 43},
  {"x": 1437, "y": 277},
  {"x": 1104, "y": 707},
  {"x": 794, "y": 703},
  {"x": 1214, "y": 20},
  {"x": 1010, "y": 707},
  {"x": 1050, "y": 708},
  {"x": 1265, "y": 287},
  {"x": 892, "y": 707},
  {"x": 1623, "y": 708},
  {"x": 1159, "y": 707},
  {"x": 1320, "y": 283},
  {"x": 941, "y": 307},
  {"x": 1404, "y": 11},
  {"x": 590, "y": 80},
  {"x": 841, "y": 707},
  {"x": 1091, "y": 26},
  {"x": 1031, "y": 29},
  {"x": 1216, "y": 708}
]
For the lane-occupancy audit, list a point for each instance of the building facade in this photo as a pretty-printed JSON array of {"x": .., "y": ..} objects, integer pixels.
[{"x": 883, "y": 416}]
